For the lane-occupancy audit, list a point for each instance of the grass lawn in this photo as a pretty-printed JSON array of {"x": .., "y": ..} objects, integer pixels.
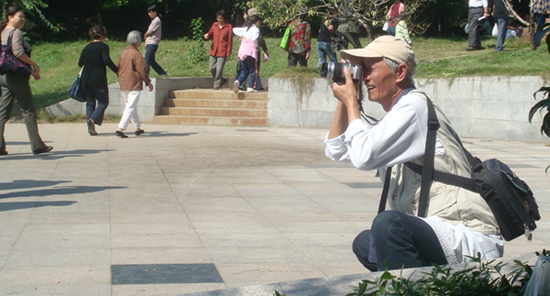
[{"x": 437, "y": 57}]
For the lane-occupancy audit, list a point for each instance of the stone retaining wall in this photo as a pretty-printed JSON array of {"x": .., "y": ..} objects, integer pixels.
[{"x": 479, "y": 107}]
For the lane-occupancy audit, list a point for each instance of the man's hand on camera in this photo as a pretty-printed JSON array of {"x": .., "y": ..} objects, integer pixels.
[{"x": 347, "y": 94}]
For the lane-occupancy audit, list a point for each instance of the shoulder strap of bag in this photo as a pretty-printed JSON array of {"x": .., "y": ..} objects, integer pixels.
[
  {"x": 429, "y": 174},
  {"x": 385, "y": 190},
  {"x": 429, "y": 155},
  {"x": 8, "y": 43},
  {"x": 427, "y": 170}
]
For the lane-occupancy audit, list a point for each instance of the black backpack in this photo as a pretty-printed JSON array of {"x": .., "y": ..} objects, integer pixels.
[{"x": 509, "y": 198}]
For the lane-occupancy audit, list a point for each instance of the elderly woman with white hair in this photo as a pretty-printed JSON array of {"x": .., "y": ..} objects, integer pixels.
[{"x": 131, "y": 76}]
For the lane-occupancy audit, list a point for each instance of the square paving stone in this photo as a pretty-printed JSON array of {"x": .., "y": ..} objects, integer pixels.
[{"x": 164, "y": 274}]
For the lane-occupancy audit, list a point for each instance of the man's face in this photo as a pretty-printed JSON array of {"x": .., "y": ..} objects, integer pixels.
[{"x": 380, "y": 81}]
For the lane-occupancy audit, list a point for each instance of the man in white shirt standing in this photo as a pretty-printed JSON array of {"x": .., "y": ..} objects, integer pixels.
[
  {"x": 459, "y": 223},
  {"x": 476, "y": 10}
]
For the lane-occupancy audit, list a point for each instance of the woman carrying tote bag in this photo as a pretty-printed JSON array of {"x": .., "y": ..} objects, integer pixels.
[
  {"x": 15, "y": 86},
  {"x": 95, "y": 59}
]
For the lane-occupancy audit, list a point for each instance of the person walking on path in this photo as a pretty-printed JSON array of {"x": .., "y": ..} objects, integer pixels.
[
  {"x": 221, "y": 34},
  {"x": 477, "y": 12},
  {"x": 248, "y": 53},
  {"x": 152, "y": 40},
  {"x": 16, "y": 86},
  {"x": 324, "y": 42},
  {"x": 95, "y": 58},
  {"x": 541, "y": 11},
  {"x": 261, "y": 46},
  {"x": 300, "y": 42},
  {"x": 131, "y": 76},
  {"x": 501, "y": 17},
  {"x": 395, "y": 10}
]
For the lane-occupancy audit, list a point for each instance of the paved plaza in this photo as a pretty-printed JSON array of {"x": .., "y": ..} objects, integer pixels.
[{"x": 185, "y": 209}]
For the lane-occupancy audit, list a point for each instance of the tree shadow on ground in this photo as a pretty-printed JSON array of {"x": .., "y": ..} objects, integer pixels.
[
  {"x": 12, "y": 206},
  {"x": 55, "y": 154}
]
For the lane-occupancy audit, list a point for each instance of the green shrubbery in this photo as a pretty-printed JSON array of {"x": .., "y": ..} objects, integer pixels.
[{"x": 484, "y": 279}]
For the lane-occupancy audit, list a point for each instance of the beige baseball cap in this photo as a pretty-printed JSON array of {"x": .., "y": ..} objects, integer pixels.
[
  {"x": 385, "y": 46},
  {"x": 252, "y": 11}
]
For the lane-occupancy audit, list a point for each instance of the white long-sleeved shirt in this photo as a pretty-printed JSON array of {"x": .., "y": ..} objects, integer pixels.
[
  {"x": 477, "y": 3},
  {"x": 399, "y": 137}
]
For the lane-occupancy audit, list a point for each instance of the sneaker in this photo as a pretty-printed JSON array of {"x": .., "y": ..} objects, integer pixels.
[
  {"x": 236, "y": 86},
  {"x": 139, "y": 132},
  {"x": 250, "y": 89},
  {"x": 120, "y": 134}
]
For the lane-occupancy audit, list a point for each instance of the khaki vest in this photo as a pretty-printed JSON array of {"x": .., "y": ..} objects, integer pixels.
[{"x": 453, "y": 204}]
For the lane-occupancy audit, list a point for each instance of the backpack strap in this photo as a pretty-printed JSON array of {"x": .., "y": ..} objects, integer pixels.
[
  {"x": 385, "y": 190},
  {"x": 429, "y": 155},
  {"x": 429, "y": 174}
]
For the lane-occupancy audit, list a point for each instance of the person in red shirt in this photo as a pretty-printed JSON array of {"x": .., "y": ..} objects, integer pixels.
[
  {"x": 395, "y": 10},
  {"x": 221, "y": 34}
]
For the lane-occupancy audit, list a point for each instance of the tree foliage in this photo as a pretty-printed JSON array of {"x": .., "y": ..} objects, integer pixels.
[
  {"x": 370, "y": 14},
  {"x": 33, "y": 8}
]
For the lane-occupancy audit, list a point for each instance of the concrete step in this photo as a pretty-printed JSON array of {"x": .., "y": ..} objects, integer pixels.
[
  {"x": 210, "y": 120},
  {"x": 223, "y": 94},
  {"x": 216, "y": 103},
  {"x": 217, "y": 112}
]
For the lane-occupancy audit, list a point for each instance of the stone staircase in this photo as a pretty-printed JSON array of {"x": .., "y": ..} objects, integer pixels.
[{"x": 210, "y": 107}]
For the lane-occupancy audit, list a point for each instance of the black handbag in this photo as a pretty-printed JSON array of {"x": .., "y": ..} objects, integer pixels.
[
  {"x": 76, "y": 92},
  {"x": 509, "y": 198},
  {"x": 9, "y": 64}
]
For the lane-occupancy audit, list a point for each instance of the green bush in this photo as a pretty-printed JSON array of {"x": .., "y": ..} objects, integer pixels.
[{"x": 484, "y": 279}]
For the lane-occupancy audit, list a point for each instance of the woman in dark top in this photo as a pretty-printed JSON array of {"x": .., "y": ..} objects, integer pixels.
[
  {"x": 16, "y": 86},
  {"x": 94, "y": 58}
]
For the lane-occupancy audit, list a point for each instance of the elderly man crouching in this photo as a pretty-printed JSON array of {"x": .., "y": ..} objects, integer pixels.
[
  {"x": 459, "y": 223},
  {"x": 131, "y": 76}
]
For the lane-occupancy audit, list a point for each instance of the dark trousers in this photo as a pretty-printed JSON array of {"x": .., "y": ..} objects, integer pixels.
[
  {"x": 502, "y": 25},
  {"x": 296, "y": 58},
  {"x": 16, "y": 87},
  {"x": 391, "y": 30},
  {"x": 540, "y": 19},
  {"x": 248, "y": 68},
  {"x": 93, "y": 111},
  {"x": 474, "y": 13},
  {"x": 150, "y": 59},
  {"x": 404, "y": 241},
  {"x": 259, "y": 85}
]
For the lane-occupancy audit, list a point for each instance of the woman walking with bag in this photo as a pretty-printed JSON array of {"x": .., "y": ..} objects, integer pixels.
[
  {"x": 248, "y": 54},
  {"x": 152, "y": 40},
  {"x": 15, "y": 86},
  {"x": 131, "y": 76},
  {"x": 94, "y": 58}
]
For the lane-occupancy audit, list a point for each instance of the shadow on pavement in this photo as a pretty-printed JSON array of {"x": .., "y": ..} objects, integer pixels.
[
  {"x": 55, "y": 155},
  {"x": 11, "y": 206},
  {"x": 59, "y": 191},
  {"x": 18, "y": 184}
]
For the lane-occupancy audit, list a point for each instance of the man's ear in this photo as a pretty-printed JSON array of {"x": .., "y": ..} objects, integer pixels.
[{"x": 401, "y": 73}]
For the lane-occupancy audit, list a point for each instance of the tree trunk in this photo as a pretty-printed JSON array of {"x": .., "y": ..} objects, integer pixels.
[{"x": 368, "y": 27}]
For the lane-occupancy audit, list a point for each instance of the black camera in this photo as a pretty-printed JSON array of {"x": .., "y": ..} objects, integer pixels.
[{"x": 335, "y": 71}]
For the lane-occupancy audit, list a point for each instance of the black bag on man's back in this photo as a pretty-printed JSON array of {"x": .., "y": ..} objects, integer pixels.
[{"x": 510, "y": 199}]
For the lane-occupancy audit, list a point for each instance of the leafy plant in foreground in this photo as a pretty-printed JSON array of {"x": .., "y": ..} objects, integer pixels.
[
  {"x": 197, "y": 53},
  {"x": 486, "y": 278}
]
